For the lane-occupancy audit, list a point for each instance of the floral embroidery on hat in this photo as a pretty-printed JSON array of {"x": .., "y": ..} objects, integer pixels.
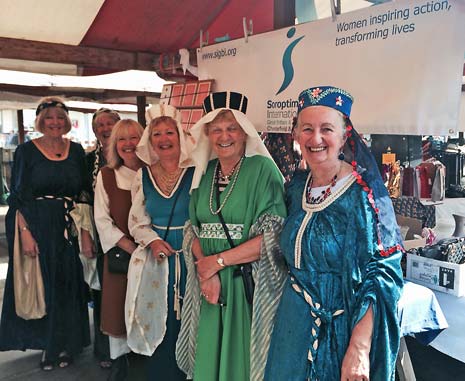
[
  {"x": 339, "y": 101},
  {"x": 316, "y": 92},
  {"x": 301, "y": 102}
]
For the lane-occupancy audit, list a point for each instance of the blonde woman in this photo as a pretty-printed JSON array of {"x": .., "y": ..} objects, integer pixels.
[
  {"x": 111, "y": 210},
  {"x": 48, "y": 176},
  {"x": 160, "y": 209}
]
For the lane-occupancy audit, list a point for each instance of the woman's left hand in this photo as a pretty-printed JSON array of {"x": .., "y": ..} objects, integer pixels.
[
  {"x": 211, "y": 289},
  {"x": 207, "y": 267},
  {"x": 356, "y": 364},
  {"x": 87, "y": 244}
]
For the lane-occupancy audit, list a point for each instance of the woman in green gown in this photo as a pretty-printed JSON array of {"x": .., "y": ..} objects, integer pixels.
[{"x": 235, "y": 180}]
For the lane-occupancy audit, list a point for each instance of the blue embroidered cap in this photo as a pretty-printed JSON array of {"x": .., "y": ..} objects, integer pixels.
[{"x": 328, "y": 96}]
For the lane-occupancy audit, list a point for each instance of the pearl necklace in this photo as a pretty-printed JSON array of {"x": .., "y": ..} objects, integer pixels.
[{"x": 236, "y": 169}]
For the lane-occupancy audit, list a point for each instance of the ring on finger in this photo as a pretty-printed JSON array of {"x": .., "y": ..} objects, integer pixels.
[{"x": 161, "y": 255}]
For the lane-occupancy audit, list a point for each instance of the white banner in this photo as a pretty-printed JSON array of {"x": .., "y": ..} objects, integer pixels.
[{"x": 402, "y": 61}]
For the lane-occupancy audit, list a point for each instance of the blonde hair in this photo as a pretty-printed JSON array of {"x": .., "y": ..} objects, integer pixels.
[
  {"x": 162, "y": 119},
  {"x": 39, "y": 121},
  {"x": 120, "y": 129},
  {"x": 104, "y": 111}
]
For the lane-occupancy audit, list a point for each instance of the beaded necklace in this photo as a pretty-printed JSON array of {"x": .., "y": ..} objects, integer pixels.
[
  {"x": 226, "y": 178},
  {"x": 324, "y": 193},
  {"x": 234, "y": 173},
  {"x": 166, "y": 180}
]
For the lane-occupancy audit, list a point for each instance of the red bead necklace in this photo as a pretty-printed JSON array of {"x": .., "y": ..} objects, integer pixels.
[{"x": 324, "y": 193}]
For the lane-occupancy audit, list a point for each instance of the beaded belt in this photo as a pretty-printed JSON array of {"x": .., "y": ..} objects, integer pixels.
[
  {"x": 319, "y": 316},
  {"x": 68, "y": 203}
]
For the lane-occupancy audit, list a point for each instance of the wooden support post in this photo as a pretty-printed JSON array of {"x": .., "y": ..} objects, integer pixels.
[
  {"x": 284, "y": 13},
  {"x": 141, "y": 102},
  {"x": 20, "y": 117}
]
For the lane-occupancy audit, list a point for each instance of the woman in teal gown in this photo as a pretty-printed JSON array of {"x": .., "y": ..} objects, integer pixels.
[
  {"x": 337, "y": 318},
  {"x": 160, "y": 209}
]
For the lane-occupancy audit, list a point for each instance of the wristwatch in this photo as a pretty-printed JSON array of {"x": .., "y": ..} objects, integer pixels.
[{"x": 220, "y": 261}]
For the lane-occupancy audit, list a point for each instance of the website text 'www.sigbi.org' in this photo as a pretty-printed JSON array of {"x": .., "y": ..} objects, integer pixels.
[{"x": 219, "y": 54}]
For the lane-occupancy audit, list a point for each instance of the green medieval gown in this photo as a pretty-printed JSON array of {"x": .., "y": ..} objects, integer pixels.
[{"x": 254, "y": 207}]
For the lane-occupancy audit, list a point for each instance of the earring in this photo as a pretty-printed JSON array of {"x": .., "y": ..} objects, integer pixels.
[{"x": 341, "y": 156}]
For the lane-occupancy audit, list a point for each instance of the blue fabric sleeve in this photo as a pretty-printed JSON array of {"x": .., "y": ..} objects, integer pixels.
[
  {"x": 380, "y": 285},
  {"x": 20, "y": 190}
]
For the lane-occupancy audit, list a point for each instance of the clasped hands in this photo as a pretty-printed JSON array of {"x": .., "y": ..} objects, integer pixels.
[{"x": 210, "y": 284}]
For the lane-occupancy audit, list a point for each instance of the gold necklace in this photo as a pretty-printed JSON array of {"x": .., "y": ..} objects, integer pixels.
[
  {"x": 214, "y": 184},
  {"x": 166, "y": 180}
]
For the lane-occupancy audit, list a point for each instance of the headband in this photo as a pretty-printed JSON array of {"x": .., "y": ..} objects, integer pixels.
[{"x": 49, "y": 104}]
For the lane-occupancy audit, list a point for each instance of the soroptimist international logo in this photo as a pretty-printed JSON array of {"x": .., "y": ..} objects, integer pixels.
[{"x": 288, "y": 67}]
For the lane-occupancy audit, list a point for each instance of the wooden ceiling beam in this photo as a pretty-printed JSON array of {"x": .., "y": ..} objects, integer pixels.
[
  {"x": 110, "y": 59},
  {"x": 84, "y": 94}
]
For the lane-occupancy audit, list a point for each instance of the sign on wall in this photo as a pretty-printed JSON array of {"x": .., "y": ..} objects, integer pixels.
[{"x": 402, "y": 61}]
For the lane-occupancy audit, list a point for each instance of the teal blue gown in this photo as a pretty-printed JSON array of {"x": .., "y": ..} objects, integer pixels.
[
  {"x": 162, "y": 364},
  {"x": 341, "y": 269}
]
